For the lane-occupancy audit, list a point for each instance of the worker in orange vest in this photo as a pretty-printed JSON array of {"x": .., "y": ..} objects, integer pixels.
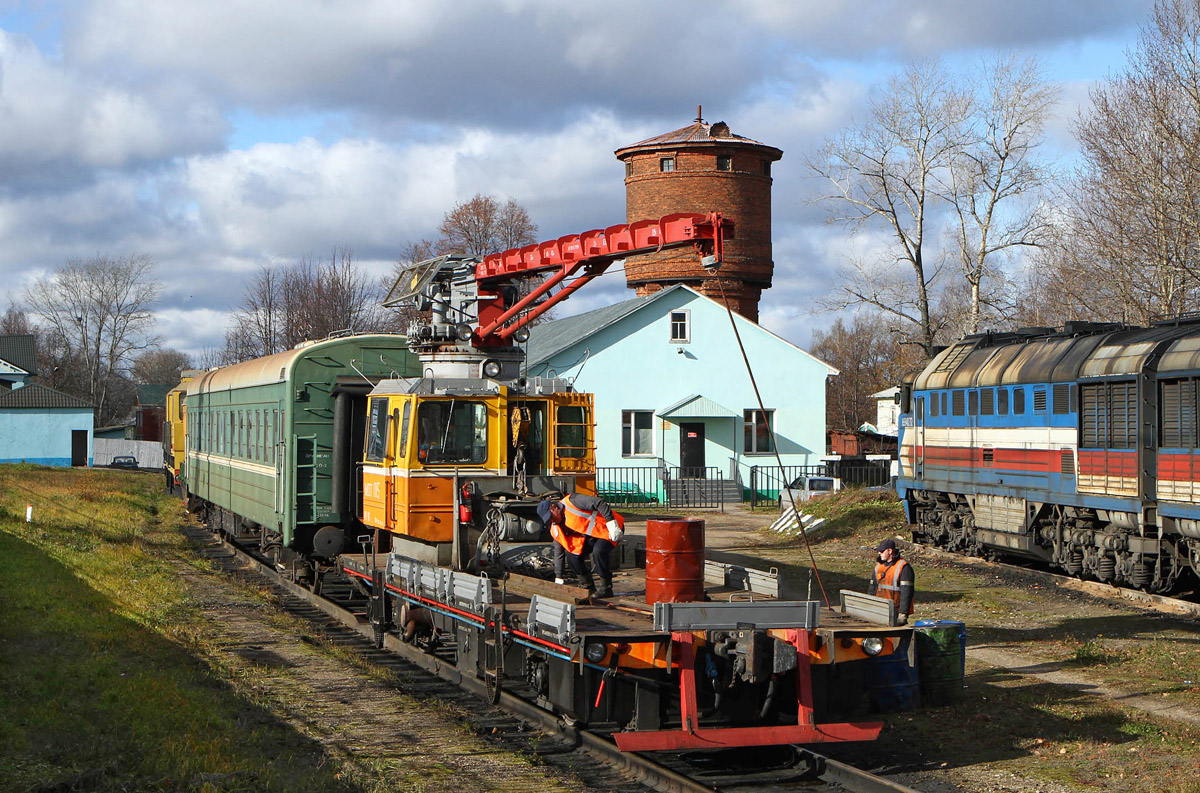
[
  {"x": 580, "y": 524},
  {"x": 893, "y": 579}
]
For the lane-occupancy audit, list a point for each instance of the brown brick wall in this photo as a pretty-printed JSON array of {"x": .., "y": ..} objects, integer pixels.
[{"x": 742, "y": 194}]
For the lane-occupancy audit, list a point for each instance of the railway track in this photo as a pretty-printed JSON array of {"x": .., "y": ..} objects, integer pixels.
[
  {"x": 341, "y": 611},
  {"x": 1177, "y": 607}
]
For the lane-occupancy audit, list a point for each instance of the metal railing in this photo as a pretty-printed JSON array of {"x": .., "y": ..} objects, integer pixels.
[
  {"x": 662, "y": 486},
  {"x": 767, "y": 481}
]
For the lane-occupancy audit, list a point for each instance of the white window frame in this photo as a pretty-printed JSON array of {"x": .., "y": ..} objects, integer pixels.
[
  {"x": 629, "y": 425},
  {"x": 687, "y": 325},
  {"x": 750, "y": 421}
]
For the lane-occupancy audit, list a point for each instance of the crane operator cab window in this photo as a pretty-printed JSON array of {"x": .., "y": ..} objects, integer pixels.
[
  {"x": 571, "y": 438},
  {"x": 452, "y": 432},
  {"x": 377, "y": 431}
]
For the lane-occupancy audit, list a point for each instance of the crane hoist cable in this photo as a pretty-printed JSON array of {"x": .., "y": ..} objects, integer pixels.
[{"x": 771, "y": 431}]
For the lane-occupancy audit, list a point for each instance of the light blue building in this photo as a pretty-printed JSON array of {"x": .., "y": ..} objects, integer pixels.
[
  {"x": 671, "y": 388},
  {"x": 39, "y": 424}
]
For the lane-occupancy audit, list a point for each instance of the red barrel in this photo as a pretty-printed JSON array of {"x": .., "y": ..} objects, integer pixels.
[{"x": 674, "y": 560}]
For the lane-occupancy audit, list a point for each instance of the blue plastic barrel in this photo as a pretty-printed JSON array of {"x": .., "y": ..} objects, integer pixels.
[
  {"x": 941, "y": 659},
  {"x": 891, "y": 682}
]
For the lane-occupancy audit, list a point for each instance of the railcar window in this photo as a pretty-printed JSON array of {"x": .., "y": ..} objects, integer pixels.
[
  {"x": 933, "y": 404},
  {"x": 1002, "y": 401},
  {"x": 452, "y": 431},
  {"x": 571, "y": 434},
  {"x": 377, "y": 430},
  {"x": 944, "y": 411},
  {"x": 1019, "y": 401},
  {"x": 958, "y": 403},
  {"x": 973, "y": 402}
]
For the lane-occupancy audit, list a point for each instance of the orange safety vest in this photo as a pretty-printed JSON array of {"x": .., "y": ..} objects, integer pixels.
[
  {"x": 887, "y": 579},
  {"x": 581, "y": 524}
]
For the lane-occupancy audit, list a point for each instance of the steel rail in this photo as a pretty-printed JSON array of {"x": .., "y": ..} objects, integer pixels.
[{"x": 849, "y": 777}]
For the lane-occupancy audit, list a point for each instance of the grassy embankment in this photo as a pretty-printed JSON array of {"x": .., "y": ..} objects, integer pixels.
[
  {"x": 1007, "y": 720},
  {"x": 107, "y": 685}
]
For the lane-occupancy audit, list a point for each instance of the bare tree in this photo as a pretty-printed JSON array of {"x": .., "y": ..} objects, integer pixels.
[
  {"x": 97, "y": 314},
  {"x": 1129, "y": 239},
  {"x": 308, "y": 299},
  {"x": 16, "y": 322},
  {"x": 885, "y": 171},
  {"x": 995, "y": 179},
  {"x": 939, "y": 152},
  {"x": 160, "y": 367},
  {"x": 869, "y": 361},
  {"x": 483, "y": 225}
]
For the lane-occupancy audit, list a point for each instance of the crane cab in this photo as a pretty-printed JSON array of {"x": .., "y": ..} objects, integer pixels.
[{"x": 443, "y": 457}]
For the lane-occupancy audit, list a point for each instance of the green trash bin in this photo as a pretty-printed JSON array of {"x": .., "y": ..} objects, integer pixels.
[{"x": 941, "y": 659}]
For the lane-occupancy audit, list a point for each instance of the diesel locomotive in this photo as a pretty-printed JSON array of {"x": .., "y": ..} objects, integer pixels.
[{"x": 1076, "y": 447}]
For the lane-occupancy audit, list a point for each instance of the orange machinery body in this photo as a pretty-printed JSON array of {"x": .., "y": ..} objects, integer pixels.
[{"x": 421, "y": 448}]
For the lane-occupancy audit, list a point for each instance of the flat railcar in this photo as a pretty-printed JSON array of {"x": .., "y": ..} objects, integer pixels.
[{"x": 1075, "y": 447}]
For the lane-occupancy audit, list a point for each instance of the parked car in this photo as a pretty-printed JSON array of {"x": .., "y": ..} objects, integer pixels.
[
  {"x": 804, "y": 488},
  {"x": 123, "y": 461}
]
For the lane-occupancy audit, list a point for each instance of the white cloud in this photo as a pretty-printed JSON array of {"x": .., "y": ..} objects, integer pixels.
[{"x": 57, "y": 125}]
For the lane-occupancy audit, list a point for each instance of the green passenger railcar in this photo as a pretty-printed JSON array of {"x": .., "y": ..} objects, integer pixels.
[{"x": 272, "y": 442}]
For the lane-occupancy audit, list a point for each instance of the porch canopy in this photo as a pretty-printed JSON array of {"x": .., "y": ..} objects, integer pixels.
[{"x": 697, "y": 406}]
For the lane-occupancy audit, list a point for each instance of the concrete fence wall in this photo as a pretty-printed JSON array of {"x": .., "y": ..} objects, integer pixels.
[{"x": 148, "y": 453}]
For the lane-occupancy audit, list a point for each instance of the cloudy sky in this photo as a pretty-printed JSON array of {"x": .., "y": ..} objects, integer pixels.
[{"x": 219, "y": 136}]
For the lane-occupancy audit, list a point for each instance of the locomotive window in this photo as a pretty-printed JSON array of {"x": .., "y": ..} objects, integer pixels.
[
  {"x": 987, "y": 401},
  {"x": 973, "y": 402},
  {"x": 1002, "y": 401},
  {"x": 452, "y": 432},
  {"x": 933, "y": 404},
  {"x": 377, "y": 430},
  {"x": 570, "y": 437},
  {"x": 958, "y": 403},
  {"x": 1019, "y": 401},
  {"x": 944, "y": 411}
]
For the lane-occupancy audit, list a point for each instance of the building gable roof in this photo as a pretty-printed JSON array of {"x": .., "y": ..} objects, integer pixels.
[
  {"x": 38, "y": 396},
  {"x": 551, "y": 338},
  {"x": 20, "y": 351}
]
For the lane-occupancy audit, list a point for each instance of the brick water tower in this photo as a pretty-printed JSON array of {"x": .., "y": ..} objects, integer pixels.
[{"x": 703, "y": 168}]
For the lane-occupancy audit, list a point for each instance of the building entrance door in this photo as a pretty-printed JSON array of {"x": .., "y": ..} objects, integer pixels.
[
  {"x": 79, "y": 447},
  {"x": 691, "y": 450}
]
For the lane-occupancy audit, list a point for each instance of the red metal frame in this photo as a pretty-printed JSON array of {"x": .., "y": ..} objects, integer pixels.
[
  {"x": 590, "y": 252},
  {"x": 691, "y": 736}
]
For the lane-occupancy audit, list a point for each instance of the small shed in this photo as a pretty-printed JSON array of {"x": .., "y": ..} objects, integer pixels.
[{"x": 41, "y": 425}]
